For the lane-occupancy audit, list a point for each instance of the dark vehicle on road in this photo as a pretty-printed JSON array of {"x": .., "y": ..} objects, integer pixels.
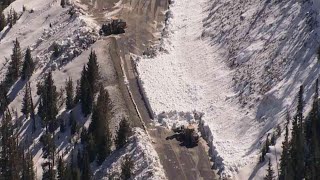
[{"x": 114, "y": 26}]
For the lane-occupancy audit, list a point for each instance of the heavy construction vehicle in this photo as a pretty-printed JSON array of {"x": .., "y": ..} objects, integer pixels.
[
  {"x": 113, "y": 26},
  {"x": 188, "y": 134}
]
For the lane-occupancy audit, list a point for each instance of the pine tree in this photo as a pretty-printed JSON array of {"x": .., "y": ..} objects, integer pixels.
[
  {"x": 270, "y": 172},
  {"x": 48, "y": 108},
  {"x": 122, "y": 133},
  {"x": 61, "y": 169},
  {"x": 126, "y": 168},
  {"x": 86, "y": 172},
  {"x": 86, "y": 95},
  {"x": 14, "y": 17},
  {"x": 33, "y": 117},
  {"x": 3, "y": 22},
  {"x": 99, "y": 126},
  {"x": 4, "y": 100},
  {"x": 56, "y": 50},
  {"x": 91, "y": 148},
  {"x": 93, "y": 72},
  {"x": 79, "y": 159},
  {"x": 265, "y": 149},
  {"x": 6, "y": 133},
  {"x": 285, "y": 152},
  {"x": 313, "y": 155},
  {"x": 13, "y": 72},
  {"x": 70, "y": 95},
  {"x": 73, "y": 124},
  {"x": 28, "y": 66},
  {"x": 63, "y": 3},
  {"x": 10, "y": 18},
  {"x": 296, "y": 168},
  {"x": 62, "y": 126},
  {"x": 28, "y": 170},
  {"x": 26, "y": 103},
  {"x": 48, "y": 152},
  {"x": 76, "y": 175}
]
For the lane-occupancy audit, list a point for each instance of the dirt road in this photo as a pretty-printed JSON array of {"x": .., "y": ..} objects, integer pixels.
[{"x": 144, "y": 20}]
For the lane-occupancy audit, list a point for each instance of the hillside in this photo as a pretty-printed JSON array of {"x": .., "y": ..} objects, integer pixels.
[
  {"x": 240, "y": 63},
  {"x": 40, "y": 27}
]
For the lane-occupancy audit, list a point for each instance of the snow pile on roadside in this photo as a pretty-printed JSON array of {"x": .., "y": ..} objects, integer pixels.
[
  {"x": 146, "y": 161},
  {"x": 238, "y": 62}
]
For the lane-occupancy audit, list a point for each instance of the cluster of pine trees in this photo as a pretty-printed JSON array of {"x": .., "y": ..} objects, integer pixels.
[
  {"x": 14, "y": 162},
  {"x": 10, "y": 20},
  {"x": 301, "y": 154},
  {"x": 15, "y": 70},
  {"x": 96, "y": 141}
]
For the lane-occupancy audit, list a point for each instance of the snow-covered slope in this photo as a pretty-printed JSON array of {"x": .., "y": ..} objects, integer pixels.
[
  {"x": 146, "y": 161},
  {"x": 238, "y": 62},
  {"x": 43, "y": 24}
]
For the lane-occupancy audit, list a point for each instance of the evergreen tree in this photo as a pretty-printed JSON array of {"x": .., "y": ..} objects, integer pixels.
[
  {"x": 84, "y": 135},
  {"x": 49, "y": 153},
  {"x": 86, "y": 95},
  {"x": 13, "y": 72},
  {"x": 313, "y": 155},
  {"x": 4, "y": 100},
  {"x": 91, "y": 148},
  {"x": 73, "y": 125},
  {"x": 63, "y": 3},
  {"x": 28, "y": 66},
  {"x": 76, "y": 175},
  {"x": 70, "y": 94},
  {"x": 270, "y": 172},
  {"x": 14, "y": 17},
  {"x": 284, "y": 161},
  {"x": 61, "y": 169},
  {"x": 93, "y": 72},
  {"x": 10, "y": 18},
  {"x": 3, "y": 22},
  {"x": 79, "y": 159},
  {"x": 33, "y": 117},
  {"x": 56, "y": 50},
  {"x": 26, "y": 103},
  {"x": 122, "y": 133},
  {"x": 265, "y": 149},
  {"x": 296, "y": 163},
  {"x": 126, "y": 168},
  {"x": 86, "y": 172},
  {"x": 48, "y": 108},
  {"x": 99, "y": 126},
  {"x": 62, "y": 126},
  {"x": 28, "y": 171}
]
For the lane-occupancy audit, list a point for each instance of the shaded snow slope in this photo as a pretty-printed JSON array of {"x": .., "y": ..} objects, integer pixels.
[{"x": 238, "y": 62}]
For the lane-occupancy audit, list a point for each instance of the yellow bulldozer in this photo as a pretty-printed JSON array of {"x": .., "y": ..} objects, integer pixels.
[{"x": 188, "y": 134}]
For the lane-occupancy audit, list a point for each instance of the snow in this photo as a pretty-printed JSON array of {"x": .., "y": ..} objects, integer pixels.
[
  {"x": 146, "y": 160},
  {"x": 192, "y": 76},
  {"x": 238, "y": 62},
  {"x": 75, "y": 36}
]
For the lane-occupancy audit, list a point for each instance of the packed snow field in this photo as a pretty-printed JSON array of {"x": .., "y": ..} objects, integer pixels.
[
  {"x": 40, "y": 26},
  {"x": 240, "y": 63}
]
